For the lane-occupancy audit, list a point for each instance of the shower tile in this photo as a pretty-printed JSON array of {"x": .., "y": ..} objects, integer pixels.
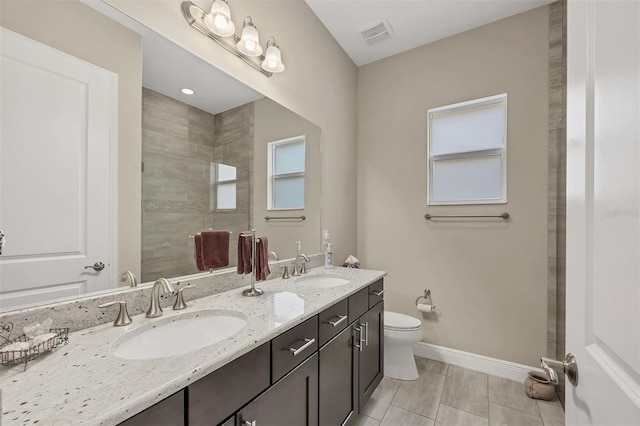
[
  {"x": 448, "y": 416},
  {"x": 466, "y": 390},
  {"x": 421, "y": 396},
  {"x": 505, "y": 416},
  {"x": 511, "y": 394},
  {"x": 426, "y": 364},
  {"x": 381, "y": 398},
  {"x": 397, "y": 416}
]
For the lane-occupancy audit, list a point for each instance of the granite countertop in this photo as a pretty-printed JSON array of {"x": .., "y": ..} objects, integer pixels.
[{"x": 83, "y": 383}]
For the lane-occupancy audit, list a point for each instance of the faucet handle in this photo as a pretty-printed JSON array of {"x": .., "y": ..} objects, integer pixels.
[
  {"x": 285, "y": 272},
  {"x": 179, "y": 304},
  {"x": 123, "y": 315}
]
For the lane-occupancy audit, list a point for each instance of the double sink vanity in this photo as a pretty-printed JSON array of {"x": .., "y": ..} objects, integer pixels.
[{"x": 308, "y": 351}]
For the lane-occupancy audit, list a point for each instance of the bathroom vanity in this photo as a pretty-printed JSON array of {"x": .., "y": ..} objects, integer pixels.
[{"x": 307, "y": 355}]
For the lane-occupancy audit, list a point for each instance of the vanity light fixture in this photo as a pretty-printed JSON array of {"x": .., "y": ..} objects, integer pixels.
[
  {"x": 188, "y": 91},
  {"x": 249, "y": 43},
  {"x": 272, "y": 60},
  {"x": 218, "y": 20},
  {"x": 217, "y": 25}
]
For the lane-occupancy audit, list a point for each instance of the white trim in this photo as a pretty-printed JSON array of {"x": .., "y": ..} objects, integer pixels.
[
  {"x": 113, "y": 178},
  {"x": 484, "y": 364}
]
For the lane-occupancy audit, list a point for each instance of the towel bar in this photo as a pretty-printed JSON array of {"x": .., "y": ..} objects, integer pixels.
[
  {"x": 268, "y": 218},
  {"x": 428, "y": 216}
]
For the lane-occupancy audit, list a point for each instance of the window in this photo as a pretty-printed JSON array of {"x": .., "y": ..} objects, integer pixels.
[
  {"x": 223, "y": 186},
  {"x": 286, "y": 171},
  {"x": 467, "y": 150}
]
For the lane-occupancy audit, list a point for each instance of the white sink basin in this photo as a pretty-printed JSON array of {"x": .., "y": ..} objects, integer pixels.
[
  {"x": 322, "y": 281},
  {"x": 179, "y": 335}
]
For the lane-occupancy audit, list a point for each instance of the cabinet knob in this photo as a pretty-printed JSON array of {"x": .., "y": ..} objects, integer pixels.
[{"x": 250, "y": 423}]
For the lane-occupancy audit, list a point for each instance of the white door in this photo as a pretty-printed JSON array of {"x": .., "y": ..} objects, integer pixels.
[
  {"x": 57, "y": 154},
  {"x": 603, "y": 211}
]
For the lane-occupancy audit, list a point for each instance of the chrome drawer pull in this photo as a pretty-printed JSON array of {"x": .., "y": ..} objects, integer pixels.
[
  {"x": 378, "y": 293},
  {"x": 248, "y": 423},
  {"x": 342, "y": 319},
  {"x": 359, "y": 345},
  {"x": 366, "y": 332},
  {"x": 308, "y": 343}
]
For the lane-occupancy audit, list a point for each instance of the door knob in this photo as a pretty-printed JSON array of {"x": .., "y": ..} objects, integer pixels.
[
  {"x": 569, "y": 367},
  {"x": 98, "y": 266}
]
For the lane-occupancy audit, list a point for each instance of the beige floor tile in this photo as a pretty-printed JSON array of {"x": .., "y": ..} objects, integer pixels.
[
  {"x": 362, "y": 420},
  {"x": 421, "y": 396},
  {"x": 381, "y": 398},
  {"x": 449, "y": 416},
  {"x": 505, "y": 416},
  {"x": 551, "y": 412},
  {"x": 426, "y": 364},
  {"x": 511, "y": 394},
  {"x": 396, "y": 416},
  {"x": 466, "y": 390}
]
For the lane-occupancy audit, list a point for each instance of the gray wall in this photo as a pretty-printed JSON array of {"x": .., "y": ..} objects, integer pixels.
[{"x": 488, "y": 279}]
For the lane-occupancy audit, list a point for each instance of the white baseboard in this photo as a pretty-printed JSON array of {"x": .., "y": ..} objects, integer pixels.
[{"x": 484, "y": 364}]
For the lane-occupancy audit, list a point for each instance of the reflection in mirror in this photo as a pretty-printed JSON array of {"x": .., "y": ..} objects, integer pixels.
[{"x": 203, "y": 156}]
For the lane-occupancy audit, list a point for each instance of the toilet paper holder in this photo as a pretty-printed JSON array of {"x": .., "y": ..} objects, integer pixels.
[{"x": 427, "y": 299}]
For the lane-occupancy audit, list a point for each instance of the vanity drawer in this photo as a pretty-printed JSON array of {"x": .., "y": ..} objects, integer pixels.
[
  {"x": 332, "y": 321},
  {"x": 215, "y": 397},
  {"x": 292, "y": 347},
  {"x": 358, "y": 304},
  {"x": 376, "y": 292}
]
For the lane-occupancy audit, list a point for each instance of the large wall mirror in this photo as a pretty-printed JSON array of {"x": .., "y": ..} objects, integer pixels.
[{"x": 107, "y": 166}]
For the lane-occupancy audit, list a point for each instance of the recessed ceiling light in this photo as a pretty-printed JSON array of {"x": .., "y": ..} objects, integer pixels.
[{"x": 188, "y": 91}]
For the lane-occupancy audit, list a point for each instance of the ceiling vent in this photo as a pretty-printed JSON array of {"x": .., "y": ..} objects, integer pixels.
[{"x": 376, "y": 32}]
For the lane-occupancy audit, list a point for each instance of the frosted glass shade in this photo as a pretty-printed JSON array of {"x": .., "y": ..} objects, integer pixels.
[
  {"x": 249, "y": 43},
  {"x": 272, "y": 61},
  {"x": 218, "y": 20}
]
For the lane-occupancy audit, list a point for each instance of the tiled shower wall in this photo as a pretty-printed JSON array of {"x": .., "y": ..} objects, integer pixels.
[
  {"x": 557, "y": 182},
  {"x": 179, "y": 144}
]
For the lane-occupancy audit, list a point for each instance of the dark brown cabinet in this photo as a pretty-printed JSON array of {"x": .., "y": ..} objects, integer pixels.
[
  {"x": 371, "y": 357},
  {"x": 336, "y": 398},
  {"x": 293, "y": 401},
  {"x": 168, "y": 412}
]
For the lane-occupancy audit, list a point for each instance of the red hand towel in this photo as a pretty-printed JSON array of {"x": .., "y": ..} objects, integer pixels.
[
  {"x": 262, "y": 259},
  {"x": 244, "y": 252},
  {"x": 197, "y": 255},
  {"x": 215, "y": 249}
]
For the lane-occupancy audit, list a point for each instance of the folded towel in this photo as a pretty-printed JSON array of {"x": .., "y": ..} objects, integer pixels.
[
  {"x": 262, "y": 259},
  {"x": 245, "y": 242},
  {"x": 197, "y": 255},
  {"x": 215, "y": 249}
]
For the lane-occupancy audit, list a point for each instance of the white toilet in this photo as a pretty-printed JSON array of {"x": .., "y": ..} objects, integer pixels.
[{"x": 401, "y": 332}]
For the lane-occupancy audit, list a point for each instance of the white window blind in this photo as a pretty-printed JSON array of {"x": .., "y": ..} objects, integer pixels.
[
  {"x": 286, "y": 174},
  {"x": 467, "y": 145}
]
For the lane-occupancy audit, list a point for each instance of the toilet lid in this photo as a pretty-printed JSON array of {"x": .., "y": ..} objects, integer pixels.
[{"x": 400, "y": 321}]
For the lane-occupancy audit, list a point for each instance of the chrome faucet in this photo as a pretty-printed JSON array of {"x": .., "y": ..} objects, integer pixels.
[
  {"x": 303, "y": 265},
  {"x": 155, "y": 310}
]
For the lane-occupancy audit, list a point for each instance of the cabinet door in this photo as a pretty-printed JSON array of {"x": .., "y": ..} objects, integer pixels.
[
  {"x": 371, "y": 356},
  {"x": 336, "y": 399},
  {"x": 169, "y": 412},
  {"x": 293, "y": 401}
]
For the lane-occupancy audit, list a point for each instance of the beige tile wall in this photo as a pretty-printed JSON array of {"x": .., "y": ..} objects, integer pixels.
[
  {"x": 178, "y": 144},
  {"x": 557, "y": 182}
]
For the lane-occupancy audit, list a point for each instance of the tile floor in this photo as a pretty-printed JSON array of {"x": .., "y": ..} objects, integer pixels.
[{"x": 446, "y": 395}]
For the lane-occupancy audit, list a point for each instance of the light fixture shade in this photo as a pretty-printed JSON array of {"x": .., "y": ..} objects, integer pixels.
[
  {"x": 273, "y": 61},
  {"x": 218, "y": 20},
  {"x": 249, "y": 43}
]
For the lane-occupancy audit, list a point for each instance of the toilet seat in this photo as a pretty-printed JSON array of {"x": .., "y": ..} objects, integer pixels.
[{"x": 400, "y": 322}]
